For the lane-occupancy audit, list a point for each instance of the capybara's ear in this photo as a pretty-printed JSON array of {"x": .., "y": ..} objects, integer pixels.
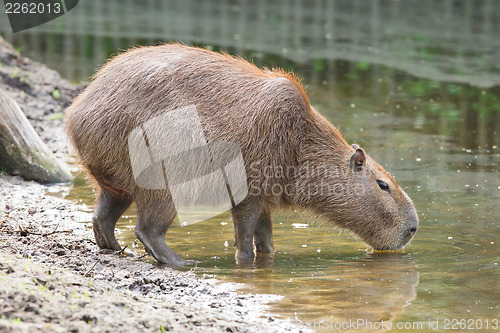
[{"x": 358, "y": 159}]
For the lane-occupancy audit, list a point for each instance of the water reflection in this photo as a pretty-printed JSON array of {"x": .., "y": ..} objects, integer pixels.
[{"x": 375, "y": 288}]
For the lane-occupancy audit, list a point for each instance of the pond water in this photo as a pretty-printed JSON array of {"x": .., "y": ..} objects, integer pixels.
[{"x": 440, "y": 139}]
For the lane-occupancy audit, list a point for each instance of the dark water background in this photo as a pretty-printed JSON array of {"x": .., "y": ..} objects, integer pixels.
[{"x": 415, "y": 83}]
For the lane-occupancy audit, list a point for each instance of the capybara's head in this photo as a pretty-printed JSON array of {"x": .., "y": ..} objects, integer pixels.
[
  {"x": 356, "y": 193},
  {"x": 382, "y": 213}
]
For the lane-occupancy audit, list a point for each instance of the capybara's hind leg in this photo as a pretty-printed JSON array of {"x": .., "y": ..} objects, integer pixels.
[
  {"x": 155, "y": 215},
  {"x": 263, "y": 236},
  {"x": 107, "y": 212}
]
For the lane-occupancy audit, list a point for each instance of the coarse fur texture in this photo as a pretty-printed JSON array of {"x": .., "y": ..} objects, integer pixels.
[{"x": 266, "y": 113}]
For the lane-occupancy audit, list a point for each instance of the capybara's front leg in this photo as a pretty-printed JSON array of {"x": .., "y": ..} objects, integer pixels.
[
  {"x": 245, "y": 218},
  {"x": 107, "y": 212},
  {"x": 155, "y": 215},
  {"x": 263, "y": 237}
]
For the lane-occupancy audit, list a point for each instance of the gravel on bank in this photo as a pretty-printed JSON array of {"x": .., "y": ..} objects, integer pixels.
[{"x": 55, "y": 279}]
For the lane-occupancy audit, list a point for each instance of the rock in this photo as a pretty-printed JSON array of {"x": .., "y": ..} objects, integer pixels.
[
  {"x": 33, "y": 86},
  {"x": 22, "y": 152}
]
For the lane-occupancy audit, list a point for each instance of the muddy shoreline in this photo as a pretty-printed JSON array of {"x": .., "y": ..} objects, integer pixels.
[{"x": 53, "y": 276}]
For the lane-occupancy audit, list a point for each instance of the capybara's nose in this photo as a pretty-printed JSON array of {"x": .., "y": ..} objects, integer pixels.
[{"x": 408, "y": 234}]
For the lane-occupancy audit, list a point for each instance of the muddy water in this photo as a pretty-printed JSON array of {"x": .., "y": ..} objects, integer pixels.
[{"x": 441, "y": 141}]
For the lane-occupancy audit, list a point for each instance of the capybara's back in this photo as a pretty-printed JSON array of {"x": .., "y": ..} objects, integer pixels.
[
  {"x": 236, "y": 101},
  {"x": 264, "y": 113}
]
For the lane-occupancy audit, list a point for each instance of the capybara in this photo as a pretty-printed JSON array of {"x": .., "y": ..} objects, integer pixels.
[{"x": 292, "y": 155}]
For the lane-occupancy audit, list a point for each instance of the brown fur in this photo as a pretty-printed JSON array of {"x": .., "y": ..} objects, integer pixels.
[{"x": 265, "y": 112}]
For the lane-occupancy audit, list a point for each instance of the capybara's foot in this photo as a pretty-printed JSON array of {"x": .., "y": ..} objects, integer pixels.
[
  {"x": 176, "y": 262},
  {"x": 244, "y": 258},
  {"x": 181, "y": 262},
  {"x": 244, "y": 261},
  {"x": 101, "y": 239},
  {"x": 156, "y": 246},
  {"x": 107, "y": 211}
]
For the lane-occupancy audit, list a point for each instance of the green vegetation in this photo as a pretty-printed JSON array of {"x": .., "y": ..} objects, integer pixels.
[
  {"x": 15, "y": 73},
  {"x": 56, "y": 94},
  {"x": 57, "y": 116}
]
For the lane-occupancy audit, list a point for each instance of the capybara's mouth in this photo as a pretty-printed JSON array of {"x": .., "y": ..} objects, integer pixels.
[
  {"x": 399, "y": 247},
  {"x": 388, "y": 248},
  {"x": 400, "y": 250},
  {"x": 403, "y": 241}
]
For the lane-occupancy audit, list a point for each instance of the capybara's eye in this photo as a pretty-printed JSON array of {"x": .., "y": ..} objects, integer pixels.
[{"x": 383, "y": 186}]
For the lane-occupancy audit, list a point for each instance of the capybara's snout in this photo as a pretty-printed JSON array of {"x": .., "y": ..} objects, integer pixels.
[
  {"x": 410, "y": 230},
  {"x": 407, "y": 236}
]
